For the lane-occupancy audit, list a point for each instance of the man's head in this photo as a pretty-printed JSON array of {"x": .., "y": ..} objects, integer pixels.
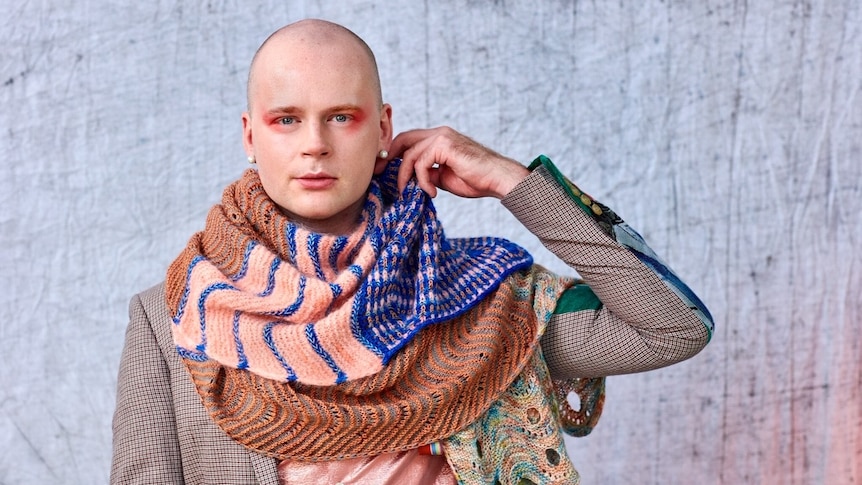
[{"x": 315, "y": 122}]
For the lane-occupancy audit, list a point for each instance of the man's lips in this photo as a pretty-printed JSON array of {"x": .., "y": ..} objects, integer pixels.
[{"x": 316, "y": 181}]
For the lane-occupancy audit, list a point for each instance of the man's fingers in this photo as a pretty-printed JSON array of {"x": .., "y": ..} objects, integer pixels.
[
  {"x": 404, "y": 140},
  {"x": 405, "y": 171},
  {"x": 422, "y": 167},
  {"x": 419, "y": 160}
]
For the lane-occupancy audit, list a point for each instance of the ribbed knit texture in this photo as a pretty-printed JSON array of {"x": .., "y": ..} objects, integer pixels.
[
  {"x": 307, "y": 346},
  {"x": 255, "y": 291}
]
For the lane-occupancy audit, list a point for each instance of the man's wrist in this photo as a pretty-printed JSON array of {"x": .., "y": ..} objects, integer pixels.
[{"x": 514, "y": 175}]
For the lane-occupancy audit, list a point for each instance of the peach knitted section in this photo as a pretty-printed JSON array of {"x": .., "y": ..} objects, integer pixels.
[
  {"x": 349, "y": 354},
  {"x": 266, "y": 312},
  {"x": 264, "y": 362}
]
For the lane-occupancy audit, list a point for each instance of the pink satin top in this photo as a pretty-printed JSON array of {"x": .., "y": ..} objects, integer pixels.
[{"x": 386, "y": 469}]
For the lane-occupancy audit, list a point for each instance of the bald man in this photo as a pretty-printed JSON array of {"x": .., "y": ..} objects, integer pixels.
[
  {"x": 322, "y": 329},
  {"x": 314, "y": 95}
]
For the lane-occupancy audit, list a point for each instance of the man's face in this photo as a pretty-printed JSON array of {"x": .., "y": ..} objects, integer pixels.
[{"x": 315, "y": 127}]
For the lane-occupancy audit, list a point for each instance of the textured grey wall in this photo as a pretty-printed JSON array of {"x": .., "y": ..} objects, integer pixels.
[{"x": 728, "y": 132}]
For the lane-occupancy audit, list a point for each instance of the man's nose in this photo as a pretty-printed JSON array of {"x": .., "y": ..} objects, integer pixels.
[{"x": 316, "y": 142}]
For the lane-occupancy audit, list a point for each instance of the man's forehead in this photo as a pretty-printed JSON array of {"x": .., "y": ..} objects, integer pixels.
[
  {"x": 315, "y": 73},
  {"x": 306, "y": 86}
]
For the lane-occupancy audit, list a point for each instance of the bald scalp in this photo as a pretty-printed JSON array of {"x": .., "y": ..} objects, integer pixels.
[{"x": 318, "y": 32}]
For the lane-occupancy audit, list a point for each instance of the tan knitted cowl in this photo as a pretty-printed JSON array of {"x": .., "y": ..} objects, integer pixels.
[{"x": 315, "y": 347}]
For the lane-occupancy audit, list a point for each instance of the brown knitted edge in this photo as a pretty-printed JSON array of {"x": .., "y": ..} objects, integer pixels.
[{"x": 443, "y": 380}]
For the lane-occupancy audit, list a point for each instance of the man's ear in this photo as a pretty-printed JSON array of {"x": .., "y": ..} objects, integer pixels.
[
  {"x": 247, "y": 141},
  {"x": 385, "y": 137}
]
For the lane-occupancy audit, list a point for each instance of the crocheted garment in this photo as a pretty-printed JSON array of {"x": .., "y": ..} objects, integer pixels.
[
  {"x": 308, "y": 346},
  {"x": 518, "y": 439}
]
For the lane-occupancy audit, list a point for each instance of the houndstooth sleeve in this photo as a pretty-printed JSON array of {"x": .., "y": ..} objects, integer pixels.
[{"x": 631, "y": 313}]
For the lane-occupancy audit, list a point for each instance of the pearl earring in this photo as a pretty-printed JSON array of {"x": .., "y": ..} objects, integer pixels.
[
  {"x": 251, "y": 159},
  {"x": 383, "y": 154}
]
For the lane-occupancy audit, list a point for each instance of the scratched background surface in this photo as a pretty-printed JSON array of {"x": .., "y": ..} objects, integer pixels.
[{"x": 728, "y": 132}]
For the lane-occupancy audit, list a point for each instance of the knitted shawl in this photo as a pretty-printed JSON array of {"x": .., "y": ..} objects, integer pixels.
[{"x": 318, "y": 347}]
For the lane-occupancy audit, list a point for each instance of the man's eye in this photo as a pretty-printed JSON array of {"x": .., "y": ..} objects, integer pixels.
[
  {"x": 287, "y": 120},
  {"x": 340, "y": 118}
]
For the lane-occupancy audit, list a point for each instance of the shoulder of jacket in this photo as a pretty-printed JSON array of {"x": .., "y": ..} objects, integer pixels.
[{"x": 154, "y": 308}]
